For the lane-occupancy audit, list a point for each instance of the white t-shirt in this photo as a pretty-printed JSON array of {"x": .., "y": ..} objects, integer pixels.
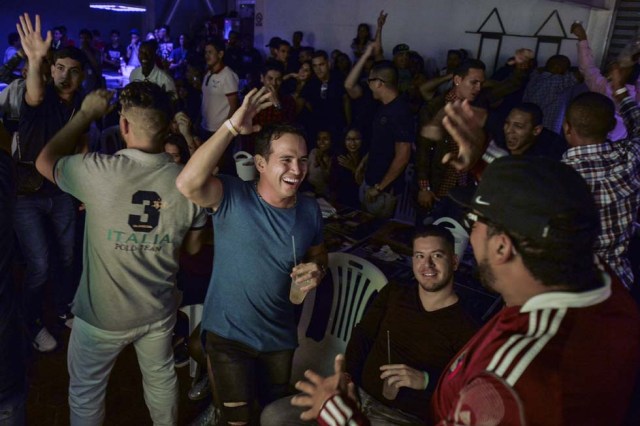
[
  {"x": 157, "y": 76},
  {"x": 215, "y": 89}
]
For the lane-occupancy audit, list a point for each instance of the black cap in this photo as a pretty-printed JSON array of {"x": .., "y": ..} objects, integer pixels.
[
  {"x": 274, "y": 42},
  {"x": 528, "y": 195},
  {"x": 400, "y": 48}
]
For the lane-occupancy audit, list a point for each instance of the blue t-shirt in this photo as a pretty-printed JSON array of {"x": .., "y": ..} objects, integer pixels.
[{"x": 248, "y": 297}]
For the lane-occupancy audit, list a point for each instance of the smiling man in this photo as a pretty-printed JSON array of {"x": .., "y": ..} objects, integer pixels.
[
  {"x": 426, "y": 326},
  {"x": 261, "y": 230}
]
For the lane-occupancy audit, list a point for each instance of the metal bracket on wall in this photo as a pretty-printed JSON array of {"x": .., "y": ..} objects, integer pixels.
[{"x": 499, "y": 35}]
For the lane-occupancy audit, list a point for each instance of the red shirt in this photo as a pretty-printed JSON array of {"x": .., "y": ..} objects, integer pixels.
[{"x": 560, "y": 359}]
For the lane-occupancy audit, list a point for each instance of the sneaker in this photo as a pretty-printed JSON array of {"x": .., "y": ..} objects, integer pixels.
[
  {"x": 66, "y": 320},
  {"x": 200, "y": 388},
  {"x": 44, "y": 341},
  {"x": 208, "y": 417},
  {"x": 181, "y": 355}
]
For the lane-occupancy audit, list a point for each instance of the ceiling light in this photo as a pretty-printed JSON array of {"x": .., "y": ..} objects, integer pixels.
[{"x": 118, "y": 7}]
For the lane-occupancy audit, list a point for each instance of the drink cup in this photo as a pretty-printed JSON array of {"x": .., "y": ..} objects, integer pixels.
[
  {"x": 389, "y": 391},
  {"x": 296, "y": 295}
]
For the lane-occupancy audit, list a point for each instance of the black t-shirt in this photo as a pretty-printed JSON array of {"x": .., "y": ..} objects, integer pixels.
[
  {"x": 327, "y": 105},
  {"x": 425, "y": 341},
  {"x": 114, "y": 54},
  {"x": 392, "y": 123},
  {"x": 39, "y": 124}
]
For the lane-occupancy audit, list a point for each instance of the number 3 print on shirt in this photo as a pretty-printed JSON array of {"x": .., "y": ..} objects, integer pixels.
[{"x": 152, "y": 205}]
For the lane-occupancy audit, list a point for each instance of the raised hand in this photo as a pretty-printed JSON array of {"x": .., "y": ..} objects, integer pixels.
[
  {"x": 183, "y": 122},
  {"x": 254, "y": 102},
  {"x": 97, "y": 104},
  {"x": 382, "y": 18},
  {"x": 34, "y": 46},
  {"x": 465, "y": 125},
  {"x": 578, "y": 30},
  {"x": 318, "y": 389}
]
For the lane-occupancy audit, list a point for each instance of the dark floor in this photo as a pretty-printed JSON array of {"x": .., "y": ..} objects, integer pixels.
[{"x": 48, "y": 383}]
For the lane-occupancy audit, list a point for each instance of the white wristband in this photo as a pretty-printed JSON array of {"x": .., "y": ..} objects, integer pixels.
[
  {"x": 231, "y": 128},
  {"x": 620, "y": 91}
]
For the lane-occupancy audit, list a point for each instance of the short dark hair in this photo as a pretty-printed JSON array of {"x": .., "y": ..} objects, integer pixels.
[
  {"x": 217, "y": 44},
  {"x": 115, "y": 32},
  {"x": 320, "y": 54},
  {"x": 592, "y": 115},
  {"x": 179, "y": 141},
  {"x": 71, "y": 52},
  {"x": 272, "y": 66},
  {"x": 436, "y": 231},
  {"x": 386, "y": 71},
  {"x": 166, "y": 27},
  {"x": 468, "y": 64},
  {"x": 298, "y": 33},
  {"x": 558, "y": 64},
  {"x": 533, "y": 110},
  {"x": 271, "y": 133},
  {"x": 150, "y": 96},
  {"x": 555, "y": 262}
]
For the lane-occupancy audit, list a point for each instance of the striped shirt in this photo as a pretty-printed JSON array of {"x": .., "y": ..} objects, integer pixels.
[
  {"x": 612, "y": 171},
  {"x": 561, "y": 358}
]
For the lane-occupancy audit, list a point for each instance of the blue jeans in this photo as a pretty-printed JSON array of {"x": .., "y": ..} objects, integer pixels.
[
  {"x": 44, "y": 225},
  {"x": 13, "y": 410},
  {"x": 92, "y": 354}
]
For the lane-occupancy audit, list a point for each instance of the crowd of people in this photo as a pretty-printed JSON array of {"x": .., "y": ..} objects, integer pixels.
[{"x": 541, "y": 163}]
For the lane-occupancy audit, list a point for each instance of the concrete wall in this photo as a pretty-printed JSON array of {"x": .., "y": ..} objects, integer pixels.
[{"x": 430, "y": 27}]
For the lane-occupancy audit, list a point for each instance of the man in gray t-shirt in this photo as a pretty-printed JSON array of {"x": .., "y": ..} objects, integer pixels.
[{"x": 136, "y": 224}]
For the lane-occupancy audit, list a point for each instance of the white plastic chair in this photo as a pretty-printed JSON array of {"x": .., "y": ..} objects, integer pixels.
[
  {"x": 460, "y": 235},
  {"x": 355, "y": 282},
  {"x": 405, "y": 208}
]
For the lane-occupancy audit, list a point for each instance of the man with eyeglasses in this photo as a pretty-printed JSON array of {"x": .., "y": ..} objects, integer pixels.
[
  {"x": 565, "y": 348},
  {"x": 393, "y": 132},
  {"x": 547, "y": 357}
]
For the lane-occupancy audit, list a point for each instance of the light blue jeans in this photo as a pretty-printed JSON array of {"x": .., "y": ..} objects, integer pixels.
[{"x": 91, "y": 355}]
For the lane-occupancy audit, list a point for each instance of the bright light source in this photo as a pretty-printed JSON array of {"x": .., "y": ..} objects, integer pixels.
[{"x": 118, "y": 7}]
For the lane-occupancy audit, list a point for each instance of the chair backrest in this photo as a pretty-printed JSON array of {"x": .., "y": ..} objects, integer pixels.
[
  {"x": 405, "y": 208},
  {"x": 355, "y": 282},
  {"x": 460, "y": 235}
]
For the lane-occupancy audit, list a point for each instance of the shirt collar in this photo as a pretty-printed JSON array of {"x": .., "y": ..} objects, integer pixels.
[
  {"x": 596, "y": 148},
  {"x": 158, "y": 159},
  {"x": 566, "y": 299}
]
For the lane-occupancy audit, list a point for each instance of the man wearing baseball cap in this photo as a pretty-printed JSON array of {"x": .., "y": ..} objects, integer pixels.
[{"x": 565, "y": 348}]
